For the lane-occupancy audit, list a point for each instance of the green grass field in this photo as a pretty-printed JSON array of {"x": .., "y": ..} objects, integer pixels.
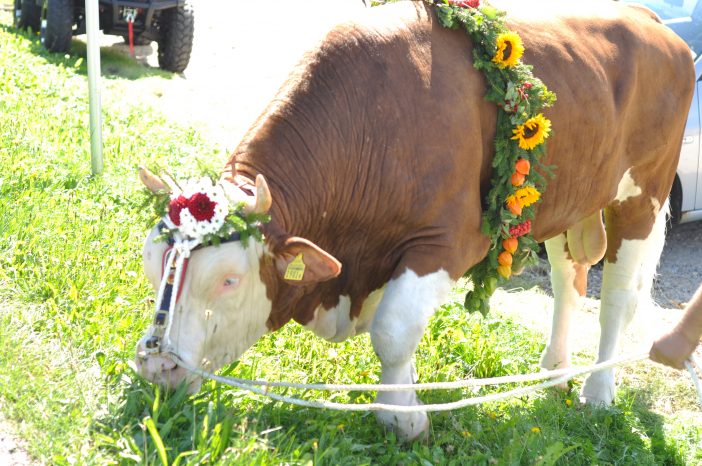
[{"x": 74, "y": 302}]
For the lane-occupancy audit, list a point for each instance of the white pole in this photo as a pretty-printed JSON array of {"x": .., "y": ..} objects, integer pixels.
[{"x": 92, "y": 27}]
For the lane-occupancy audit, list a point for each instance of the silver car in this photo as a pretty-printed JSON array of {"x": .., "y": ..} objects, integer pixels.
[{"x": 685, "y": 18}]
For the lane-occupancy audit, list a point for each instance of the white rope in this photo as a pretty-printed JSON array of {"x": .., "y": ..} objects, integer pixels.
[
  {"x": 182, "y": 252},
  {"x": 466, "y": 383},
  {"x": 692, "y": 365},
  {"x": 566, "y": 374}
]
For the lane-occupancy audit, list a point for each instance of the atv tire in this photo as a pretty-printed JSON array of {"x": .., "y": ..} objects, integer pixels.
[
  {"x": 27, "y": 15},
  {"x": 57, "y": 25},
  {"x": 177, "y": 28}
]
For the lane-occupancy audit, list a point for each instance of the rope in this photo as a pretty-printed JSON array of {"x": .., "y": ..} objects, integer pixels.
[
  {"x": 691, "y": 365},
  {"x": 561, "y": 376}
]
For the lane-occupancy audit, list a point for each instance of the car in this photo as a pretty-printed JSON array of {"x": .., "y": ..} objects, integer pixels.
[
  {"x": 171, "y": 23},
  {"x": 684, "y": 17}
]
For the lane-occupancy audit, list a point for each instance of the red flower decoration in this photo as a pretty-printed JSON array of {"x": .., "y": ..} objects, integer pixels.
[
  {"x": 520, "y": 230},
  {"x": 201, "y": 207},
  {"x": 465, "y": 3},
  {"x": 174, "y": 208}
]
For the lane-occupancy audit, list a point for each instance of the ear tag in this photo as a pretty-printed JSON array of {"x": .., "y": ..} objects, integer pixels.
[{"x": 296, "y": 269}]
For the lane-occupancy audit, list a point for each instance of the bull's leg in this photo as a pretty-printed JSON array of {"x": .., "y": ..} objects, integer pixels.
[
  {"x": 568, "y": 279},
  {"x": 628, "y": 274},
  {"x": 408, "y": 303}
]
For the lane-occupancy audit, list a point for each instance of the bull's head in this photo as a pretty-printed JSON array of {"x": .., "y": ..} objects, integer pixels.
[{"x": 224, "y": 297}]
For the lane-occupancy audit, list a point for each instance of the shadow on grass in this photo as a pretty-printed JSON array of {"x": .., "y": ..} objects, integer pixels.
[
  {"x": 665, "y": 450},
  {"x": 614, "y": 435},
  {"x": 114, "y": 63}
]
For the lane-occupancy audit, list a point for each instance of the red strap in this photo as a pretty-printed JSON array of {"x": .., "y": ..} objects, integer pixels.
[{"x": 130, "y": 26}]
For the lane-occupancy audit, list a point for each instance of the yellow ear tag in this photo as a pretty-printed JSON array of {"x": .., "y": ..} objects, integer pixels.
[{"x": 296, "y": 269}]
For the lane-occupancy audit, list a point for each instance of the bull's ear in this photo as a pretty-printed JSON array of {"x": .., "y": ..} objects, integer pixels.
[{"x": 301, "y": 262}]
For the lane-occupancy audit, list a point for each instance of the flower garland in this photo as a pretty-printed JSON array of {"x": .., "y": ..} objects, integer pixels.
[
  {"x": 519, "y": 143},
  {"x": 202, "y": 211}
]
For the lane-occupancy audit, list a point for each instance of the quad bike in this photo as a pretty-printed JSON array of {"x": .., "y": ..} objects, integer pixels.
[{"x": 171, "y": 23}]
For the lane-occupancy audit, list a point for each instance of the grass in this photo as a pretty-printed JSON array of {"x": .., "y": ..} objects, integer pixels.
[{"x": 74, "y": 301}]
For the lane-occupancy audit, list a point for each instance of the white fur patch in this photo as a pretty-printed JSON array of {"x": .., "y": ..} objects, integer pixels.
[
  {"x": 406, "y": 306},
  {"x": 336, "y": 325},
  {"x": 214, "y": 324},
  {"x": 368, "y": 310},
  {"x": 566, "y": 299},
  {"x": 627, "y": 188},
  {"x": 333, "y": 324},
  {"x": 626, "y": 286}
]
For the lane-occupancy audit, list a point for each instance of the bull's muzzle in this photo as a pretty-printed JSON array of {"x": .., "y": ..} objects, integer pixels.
[{"x": 162, "y": 370}]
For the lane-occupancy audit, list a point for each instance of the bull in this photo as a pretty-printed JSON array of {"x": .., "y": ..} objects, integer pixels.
[{"x": 376, "y": 155}]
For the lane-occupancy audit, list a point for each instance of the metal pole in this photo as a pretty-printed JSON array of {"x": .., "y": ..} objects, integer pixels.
[{"x": 92, "y": 26}]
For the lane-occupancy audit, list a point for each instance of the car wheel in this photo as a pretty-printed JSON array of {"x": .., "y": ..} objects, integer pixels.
[
  {"x": 57, "y": 25},
  {"x": 675, "y": 204},
  {"x": 176, "y": 27},
  {"x": 27, "y": 15}
]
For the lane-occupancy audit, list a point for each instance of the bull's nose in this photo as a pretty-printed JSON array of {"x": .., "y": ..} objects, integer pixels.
[
  {"x": 155, "y": 364},
  {"x": 163, "y": 370}
]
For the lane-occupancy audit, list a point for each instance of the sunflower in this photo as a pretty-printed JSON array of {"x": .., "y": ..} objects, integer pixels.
[
  {"x": 527, "y": 195},
  {"x": 509, "y": 49},
  {"x": 532, "y": 132},
  {"x": 523, "y": 197}
]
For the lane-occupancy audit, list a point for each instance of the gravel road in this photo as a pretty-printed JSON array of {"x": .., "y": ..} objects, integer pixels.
[{"x": 241, "y": 56}]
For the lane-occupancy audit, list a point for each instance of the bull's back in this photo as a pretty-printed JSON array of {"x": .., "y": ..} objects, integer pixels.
[{"x": 624, "y": 83}]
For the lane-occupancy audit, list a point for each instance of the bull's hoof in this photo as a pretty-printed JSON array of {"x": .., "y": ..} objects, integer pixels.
[
  {"x": 599, "y": 389},
  {"x": 552, "y": 361},
  {"x": 407, "y": 426}
]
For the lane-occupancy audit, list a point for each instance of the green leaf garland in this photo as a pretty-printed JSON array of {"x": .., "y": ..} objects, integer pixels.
[{"x": 520, "y": 133}]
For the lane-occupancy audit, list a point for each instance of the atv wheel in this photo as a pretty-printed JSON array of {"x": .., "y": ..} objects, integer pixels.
[
  {"x": 57, "y": 25},
  {"x": 27, "y": 15},
  {"x": 176, "y": 27}
]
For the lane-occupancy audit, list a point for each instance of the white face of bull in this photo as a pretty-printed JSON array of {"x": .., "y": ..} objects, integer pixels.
[
  {"x": 223, "y": 306},
  {"x": 222, "y": 309}
]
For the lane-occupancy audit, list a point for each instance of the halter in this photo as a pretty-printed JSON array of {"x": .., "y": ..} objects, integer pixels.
[{"x": 175, "y": 264}]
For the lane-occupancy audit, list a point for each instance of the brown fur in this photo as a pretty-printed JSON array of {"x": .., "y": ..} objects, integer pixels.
[{"x": 378, "y": 148}]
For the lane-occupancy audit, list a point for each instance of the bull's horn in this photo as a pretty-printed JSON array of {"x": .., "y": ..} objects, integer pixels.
[
  {"x": 152, "y": 182},
  {"x": 262, "y": 201}
]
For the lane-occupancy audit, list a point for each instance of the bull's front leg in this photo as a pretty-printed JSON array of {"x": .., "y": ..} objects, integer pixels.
[{"x": 408, "y": 303}]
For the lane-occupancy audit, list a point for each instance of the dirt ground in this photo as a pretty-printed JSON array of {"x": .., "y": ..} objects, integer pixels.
[{"x": 242, "y": 54}]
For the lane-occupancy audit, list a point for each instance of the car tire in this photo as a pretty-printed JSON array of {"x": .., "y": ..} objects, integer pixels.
[
  {"x": 176, "y": 28},
  {"x": 675, "y": 204},
  {"x": 27, "y": 15},
  {"x": 57, "y": 25}
]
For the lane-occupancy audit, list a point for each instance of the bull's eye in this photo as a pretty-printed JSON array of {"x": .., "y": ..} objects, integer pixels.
[{"x": 231, "y": 282}]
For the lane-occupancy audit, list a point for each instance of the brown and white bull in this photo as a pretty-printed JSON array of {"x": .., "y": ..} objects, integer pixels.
[{"x": 377, "y": 155}]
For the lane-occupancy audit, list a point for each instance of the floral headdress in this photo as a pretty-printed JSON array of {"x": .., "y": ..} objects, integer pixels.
[
  {"x": 519, "y": 142},
  {"x": 206, "y": 212}
]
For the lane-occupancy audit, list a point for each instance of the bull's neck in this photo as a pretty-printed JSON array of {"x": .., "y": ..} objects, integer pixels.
[{"x": 296, "y": 201}]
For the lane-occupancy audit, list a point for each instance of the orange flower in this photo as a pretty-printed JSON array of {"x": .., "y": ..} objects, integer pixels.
[
  {"x": 505, "y": 258},
  {"x": 505, "y": 270},
  {"x": 510, "y": 245},
  {"x": 517, "y": 179},
  {"x": 514, "y": 205},
  {"x": 522, "y": 166}
]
